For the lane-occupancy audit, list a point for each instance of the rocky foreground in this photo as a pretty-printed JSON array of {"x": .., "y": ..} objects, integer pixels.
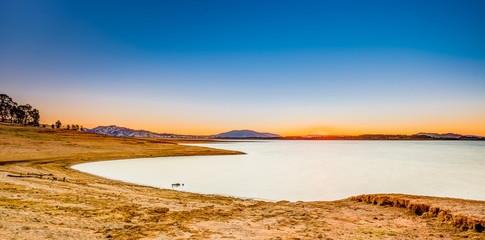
[{"x": 41, "y": 197}]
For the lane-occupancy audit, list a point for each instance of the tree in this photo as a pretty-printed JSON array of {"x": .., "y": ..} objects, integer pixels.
[
  {"x": 14, "y": 112},
  {"x": 77, "y": 127},
  {"x": 21, "y": 114},
  {"x": 82, "y": 128},
  {"x": 53, "y": 126},
  {"x": 73, "y": 127},
  {"x": 6, "y": 106},
  {"x": 17, "y": 114},
  {"x": 58, "y": 124},
  {"x": 25, "y": 116},
  {"x": 68, "y": 127},
  {"x": 35, "y": 116}
]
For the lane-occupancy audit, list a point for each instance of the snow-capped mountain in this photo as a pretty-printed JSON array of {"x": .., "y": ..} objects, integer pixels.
[
  {"x": 121, "y": 131},
  {"x": 114, "y": 130}
]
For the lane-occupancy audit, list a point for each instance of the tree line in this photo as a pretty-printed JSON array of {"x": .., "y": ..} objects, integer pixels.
[
  {"x": 10, "y": 111},
  {"x": 74, "y": 127}
]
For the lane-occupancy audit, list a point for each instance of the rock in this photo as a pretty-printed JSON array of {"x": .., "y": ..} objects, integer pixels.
[{"x": 108, "y": 235}]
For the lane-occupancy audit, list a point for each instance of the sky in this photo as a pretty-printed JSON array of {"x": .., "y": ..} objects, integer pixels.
[{"x": 287, "y": 67}]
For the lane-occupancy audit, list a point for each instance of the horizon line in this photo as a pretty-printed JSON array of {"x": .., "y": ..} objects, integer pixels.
[{"x": 301, "y": 135}]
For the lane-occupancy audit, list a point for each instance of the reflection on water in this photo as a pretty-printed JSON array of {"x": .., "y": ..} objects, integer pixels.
[{"x": 314, "y": 170}]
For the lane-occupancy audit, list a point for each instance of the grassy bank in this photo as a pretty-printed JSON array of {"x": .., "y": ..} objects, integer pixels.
[{"x": 41, "y": 197}]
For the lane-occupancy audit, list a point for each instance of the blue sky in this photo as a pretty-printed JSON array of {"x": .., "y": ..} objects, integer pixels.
[{"x": 282, "y": 66}]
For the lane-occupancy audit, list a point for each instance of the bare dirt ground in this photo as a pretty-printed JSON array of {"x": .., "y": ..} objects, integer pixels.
[{"x": 41, "y": 197}]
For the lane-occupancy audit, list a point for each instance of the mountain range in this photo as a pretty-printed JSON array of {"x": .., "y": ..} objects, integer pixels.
[
  {"x": 250, "y": 134},
  {"x": 114, "y": 130}
]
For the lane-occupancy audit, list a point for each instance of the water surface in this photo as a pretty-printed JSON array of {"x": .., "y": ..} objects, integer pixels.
[{"x": 315, "y": 170}]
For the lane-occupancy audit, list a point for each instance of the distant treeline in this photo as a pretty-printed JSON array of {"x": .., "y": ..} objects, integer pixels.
[
  {"x": 380, "y": 137},
  {"x": 74, "y": 127},
  {"x": 10, "y": 111}
]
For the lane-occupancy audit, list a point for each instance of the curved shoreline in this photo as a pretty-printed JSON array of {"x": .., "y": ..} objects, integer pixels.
[
  {"x": 294, "y": 175},
  {"x": 86, "y": 206},
  {"x": 150, "y": 186},
  {"x": 416, "y": 204}
]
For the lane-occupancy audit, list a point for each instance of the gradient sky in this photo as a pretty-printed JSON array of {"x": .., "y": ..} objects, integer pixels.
[{"x": 288, "y": 67}]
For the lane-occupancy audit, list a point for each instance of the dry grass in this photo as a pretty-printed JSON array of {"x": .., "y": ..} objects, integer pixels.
[{"x": 67, "y": 204}]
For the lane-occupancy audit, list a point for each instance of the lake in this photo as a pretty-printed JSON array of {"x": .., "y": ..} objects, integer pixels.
[{"x": 314, "y": 170}]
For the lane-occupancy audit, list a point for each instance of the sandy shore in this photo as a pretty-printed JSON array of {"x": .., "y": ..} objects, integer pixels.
[{"x": 41, "y": 197}]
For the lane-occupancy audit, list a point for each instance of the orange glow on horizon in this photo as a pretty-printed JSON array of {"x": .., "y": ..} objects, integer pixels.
[
  {"x": 299, "y": 123},
  {"x": 471, "y": 128}
]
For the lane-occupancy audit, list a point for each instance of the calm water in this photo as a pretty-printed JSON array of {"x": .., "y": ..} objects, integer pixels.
[{"x": 315, "y": 170}]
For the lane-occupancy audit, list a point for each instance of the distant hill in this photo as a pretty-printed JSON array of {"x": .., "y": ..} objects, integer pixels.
[
  {"x": 114, "y": 130},
  {"x": 121, "y": 131},
  {"x": 447, "y": 136},
  {"x": 419, "y": 136},
  {"x": 246, "y": 134}
]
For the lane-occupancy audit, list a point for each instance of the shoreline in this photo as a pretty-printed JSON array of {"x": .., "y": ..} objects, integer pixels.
[
  {"x": 87, "y": 206},
  {"x": 210, "y": 194},
  {"x": 217, "y": 174}
]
